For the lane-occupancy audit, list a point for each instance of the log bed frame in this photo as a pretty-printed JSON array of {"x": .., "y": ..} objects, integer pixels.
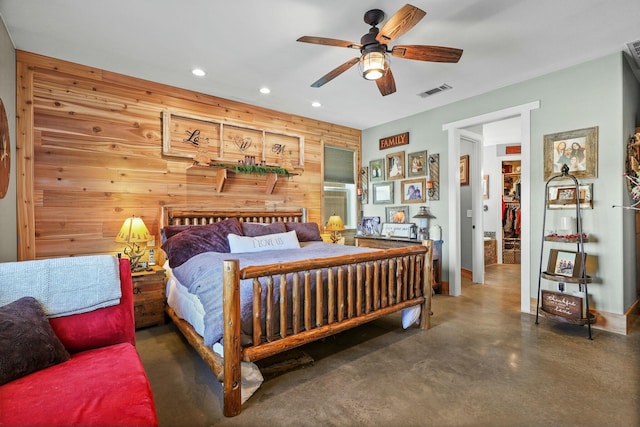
[{"x": 373, "y": 284}]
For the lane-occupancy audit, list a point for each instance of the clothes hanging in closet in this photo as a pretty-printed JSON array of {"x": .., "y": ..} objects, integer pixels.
[{"x": 511, "y": 220}]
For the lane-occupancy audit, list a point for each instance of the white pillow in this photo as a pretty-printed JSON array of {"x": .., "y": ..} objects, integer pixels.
[{"x": 268, "y": 242}]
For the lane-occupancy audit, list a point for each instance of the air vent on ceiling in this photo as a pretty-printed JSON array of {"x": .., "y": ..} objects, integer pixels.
[
  {"x": 433, "y": 91},
  {"x": 634, "y": 50}
]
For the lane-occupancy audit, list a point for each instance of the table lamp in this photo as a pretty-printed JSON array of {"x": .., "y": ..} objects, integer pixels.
[
  {"x": 335, "y": 225},
  {"x": 423, "y": 215},
  {"x": 133, "y": 232}
]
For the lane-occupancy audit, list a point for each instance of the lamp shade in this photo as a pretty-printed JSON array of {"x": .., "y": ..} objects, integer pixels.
[
  {"x": 335, "y": 223},
  {"x": 133, "y": 231},
  {"x": 373, "y": 65},
  {"x": 424, "y": 213}
]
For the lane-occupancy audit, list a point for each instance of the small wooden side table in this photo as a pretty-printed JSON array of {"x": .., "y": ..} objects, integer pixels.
[{"x": 149, "y": 296}]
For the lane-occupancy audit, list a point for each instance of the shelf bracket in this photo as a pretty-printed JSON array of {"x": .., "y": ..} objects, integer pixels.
[
  {"x": 221, "y": 178},
  {"x": 272, "y": 178}
]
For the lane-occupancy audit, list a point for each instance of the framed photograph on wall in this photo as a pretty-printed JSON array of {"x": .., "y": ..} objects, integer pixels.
[
  {"x": 578, "y": 149},
  {"x": 395, "y": 165},
  {"x": 376, "y": 170},
  {"x": 397, "y": 214},
  {"x": 464, "y": 170},
  {"x": 413, "y": 190},
  {"x": 382, "y": 193},
  {"x": 417, "y": 164}
]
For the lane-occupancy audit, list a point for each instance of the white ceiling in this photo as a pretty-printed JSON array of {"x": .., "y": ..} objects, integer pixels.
[{"x": 246, "y": 44}]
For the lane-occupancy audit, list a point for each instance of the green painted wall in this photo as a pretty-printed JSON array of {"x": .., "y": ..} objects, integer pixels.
[{"x": 586, "y": 95}]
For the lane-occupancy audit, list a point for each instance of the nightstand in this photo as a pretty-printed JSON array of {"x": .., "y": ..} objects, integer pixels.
[{"x": 149, "y": 296}]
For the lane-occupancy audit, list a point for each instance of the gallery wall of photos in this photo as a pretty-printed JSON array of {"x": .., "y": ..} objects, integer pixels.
[{"x": 418, "y": 175}]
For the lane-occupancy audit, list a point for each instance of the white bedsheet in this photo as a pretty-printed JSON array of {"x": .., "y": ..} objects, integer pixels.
[{"x": 187, "y": 306}]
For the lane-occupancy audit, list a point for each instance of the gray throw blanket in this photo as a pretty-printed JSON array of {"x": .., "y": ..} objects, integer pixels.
[
  {"x": 202, "y": 275},
  {"x": 63, "y": 286}
]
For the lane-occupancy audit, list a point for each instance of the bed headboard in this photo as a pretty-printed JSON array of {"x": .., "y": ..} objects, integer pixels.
[{"x": 174, "y": 215}]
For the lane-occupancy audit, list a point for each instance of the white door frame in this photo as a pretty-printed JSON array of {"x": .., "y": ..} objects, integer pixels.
[
  {"x": 477, "y": 227},
  {"x": 453, "y": 152}
]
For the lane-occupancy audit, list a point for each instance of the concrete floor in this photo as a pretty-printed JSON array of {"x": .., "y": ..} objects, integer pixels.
[{"x": 483, "y": 363}]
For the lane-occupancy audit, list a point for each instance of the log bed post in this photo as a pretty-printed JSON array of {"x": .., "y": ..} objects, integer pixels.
[{"x": 231, "y": 388}]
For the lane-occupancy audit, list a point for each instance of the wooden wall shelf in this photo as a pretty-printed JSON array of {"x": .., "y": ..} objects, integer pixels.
[{"x": 220, "y": 170}]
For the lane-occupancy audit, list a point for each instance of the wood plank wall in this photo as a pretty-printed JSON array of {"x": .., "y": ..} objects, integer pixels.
[{"x": 89, "y": 155}]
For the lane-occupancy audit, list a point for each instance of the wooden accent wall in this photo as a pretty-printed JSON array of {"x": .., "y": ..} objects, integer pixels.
[{"x": 89, "y": 155}]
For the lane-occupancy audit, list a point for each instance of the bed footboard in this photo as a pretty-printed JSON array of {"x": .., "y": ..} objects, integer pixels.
[{"x": 322, "y": 297}]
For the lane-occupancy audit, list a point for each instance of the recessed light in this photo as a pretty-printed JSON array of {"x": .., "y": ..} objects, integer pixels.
[
  {"x": 198, "y": 72},
  {"x": 316, "y": 104},
  {"x": 265, "y": 90}
]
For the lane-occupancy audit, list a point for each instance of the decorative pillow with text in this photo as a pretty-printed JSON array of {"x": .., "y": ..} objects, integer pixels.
[{"x": 268, "y": 242}]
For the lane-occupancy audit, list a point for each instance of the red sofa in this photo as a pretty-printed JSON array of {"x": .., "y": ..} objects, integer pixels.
[{"x": 102, "y": 384}]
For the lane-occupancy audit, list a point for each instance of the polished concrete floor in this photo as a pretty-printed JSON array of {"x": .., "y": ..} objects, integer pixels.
[{"x": 483, "y": 363}]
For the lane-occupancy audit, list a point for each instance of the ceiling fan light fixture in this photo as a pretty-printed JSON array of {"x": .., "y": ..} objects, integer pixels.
[{"x": 373, "y": 65}]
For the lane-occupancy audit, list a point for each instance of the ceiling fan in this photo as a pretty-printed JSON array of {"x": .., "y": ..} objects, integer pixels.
[{"x": 374, "y": 48}]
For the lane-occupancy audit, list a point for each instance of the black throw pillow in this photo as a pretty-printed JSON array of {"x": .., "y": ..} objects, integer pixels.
[{"x": 27, "y": 341}]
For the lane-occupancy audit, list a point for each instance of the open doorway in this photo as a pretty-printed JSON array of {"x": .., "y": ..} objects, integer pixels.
[{"x": 455, "y": 131}]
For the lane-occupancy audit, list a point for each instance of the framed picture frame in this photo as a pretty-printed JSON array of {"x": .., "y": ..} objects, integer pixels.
[
  {"x": 565, "y": 263},
  {"x": 395, "y": 165},
  {"x": 370, "y": 226},
  {"x": 464, "y": 170},
  {"x": 564, "y": 197},
  {"x": 578, "y": 149},
  {"x": 485, "y": 187},
  {"x": 382, "y": 193},
  {"x": 397, "y": 214},
  {"x": 376, "y": 170},
  {"x": 413, "y": 190},
  {"x": 417, "y": 164}
]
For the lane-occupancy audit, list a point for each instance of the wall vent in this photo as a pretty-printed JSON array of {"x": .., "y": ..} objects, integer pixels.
[
  {"x": 634, "y": 50},
  {"x": 433, "y": 91}
]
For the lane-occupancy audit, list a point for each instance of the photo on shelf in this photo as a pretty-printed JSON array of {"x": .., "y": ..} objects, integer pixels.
[
  {"x": 565, "y": 263},
  {"x": 564, "y": 197}
]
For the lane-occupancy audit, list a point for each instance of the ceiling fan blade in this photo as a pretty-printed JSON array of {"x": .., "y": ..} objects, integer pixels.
[
  {"x": 427, "y": 53},
  {"x": 335, "y": 72},
  {"x": 401, "y": 22},
  {"x": 386, "y": 84},
  {"x": 329, "y": 42}
]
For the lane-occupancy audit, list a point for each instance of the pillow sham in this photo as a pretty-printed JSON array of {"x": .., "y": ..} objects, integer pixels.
[
  {"x": 268, "y": 242},
  {"x": 199, "y": 239},
  {"x": 171, "y": 230},
  {"x": 27, "y": 341},
  {"x": 306, "y": 231},
  {"x": 253, "y": 229}
]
